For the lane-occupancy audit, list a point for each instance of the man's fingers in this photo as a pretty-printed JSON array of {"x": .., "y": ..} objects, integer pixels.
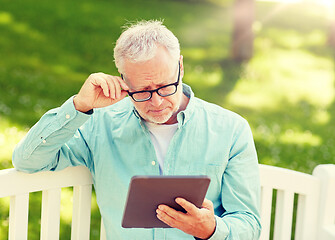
[
  {"x": 123, "y": 85},
  {"x": 189, "y": 207},
  {"x": 166, "y": 218},
  {"x": 123, "y": 94},
  {"x": 207, "y": 204},
  {"x": 114, "y": 87},
  {"x": 172, "y": 213},
  {"x": 118, "y": 85},
  {"x": 101, "y": 82},
  {"x": 100, "y": 90},
  {"x": 110, "y": 85}
]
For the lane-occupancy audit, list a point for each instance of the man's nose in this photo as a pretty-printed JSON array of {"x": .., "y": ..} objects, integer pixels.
[{"x": 156, "y": 100}]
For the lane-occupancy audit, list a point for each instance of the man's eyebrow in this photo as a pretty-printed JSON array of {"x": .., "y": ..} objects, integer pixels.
[{"x": 145, "y": 88}]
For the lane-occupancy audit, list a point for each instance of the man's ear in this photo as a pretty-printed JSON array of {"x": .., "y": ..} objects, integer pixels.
[{"x": 181, "y": 66}]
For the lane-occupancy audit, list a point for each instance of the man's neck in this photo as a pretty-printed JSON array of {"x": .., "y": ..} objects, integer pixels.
[{"x": 182, "y": 107}]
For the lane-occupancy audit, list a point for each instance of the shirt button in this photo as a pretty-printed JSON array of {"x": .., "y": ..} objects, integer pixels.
[
  {"x": 67, "y": 116},
  {"x": 153, "y": 163},
  {"x": 44, "y": 141}
]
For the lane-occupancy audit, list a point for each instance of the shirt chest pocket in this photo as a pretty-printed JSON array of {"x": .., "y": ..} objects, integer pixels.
[{"x": 215, "y": 172}]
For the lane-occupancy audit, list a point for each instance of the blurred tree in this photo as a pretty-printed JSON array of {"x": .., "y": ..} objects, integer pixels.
[
  {"x": 331, "y": 36},
  {"x": 330, "y": 13},
  {"x": 242, "y": 41}
]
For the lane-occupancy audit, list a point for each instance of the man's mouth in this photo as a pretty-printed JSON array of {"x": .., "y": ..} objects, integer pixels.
[{"x": 157, "y": 110}]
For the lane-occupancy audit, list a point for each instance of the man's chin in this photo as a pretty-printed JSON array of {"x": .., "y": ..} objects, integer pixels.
[{"x": 158, "y": 119}]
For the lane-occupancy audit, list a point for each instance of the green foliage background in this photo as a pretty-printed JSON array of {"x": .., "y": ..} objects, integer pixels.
[{"x": 286, "y": 92}]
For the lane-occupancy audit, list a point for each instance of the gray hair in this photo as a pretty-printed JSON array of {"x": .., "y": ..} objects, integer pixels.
[{"x": 139, "y": 42}]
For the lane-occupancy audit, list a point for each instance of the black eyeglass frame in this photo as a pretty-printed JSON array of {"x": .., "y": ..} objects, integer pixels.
[{"x": 156, "y": 90}]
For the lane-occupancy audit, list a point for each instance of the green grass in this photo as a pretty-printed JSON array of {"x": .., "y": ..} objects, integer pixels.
[{"x": 286, "y": 91}]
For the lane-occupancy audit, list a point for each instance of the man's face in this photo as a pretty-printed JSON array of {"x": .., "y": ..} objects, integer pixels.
[{"x": 150, "y": 75}]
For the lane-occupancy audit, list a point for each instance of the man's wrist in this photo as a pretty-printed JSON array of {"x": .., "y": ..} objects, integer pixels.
[
  {"x": 81, "y": 107},
  {"x": 89, "y": 112},
  {"x": 196, "y": 238}
]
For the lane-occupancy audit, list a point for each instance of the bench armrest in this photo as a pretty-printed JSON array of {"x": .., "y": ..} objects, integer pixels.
[{"x": 326, "y": 174}]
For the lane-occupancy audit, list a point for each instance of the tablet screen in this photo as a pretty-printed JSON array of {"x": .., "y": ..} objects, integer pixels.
[{"x": 145, "y": 193}]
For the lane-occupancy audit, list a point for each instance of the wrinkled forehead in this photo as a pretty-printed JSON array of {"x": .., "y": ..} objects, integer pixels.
[
  {"x": 150, "y": 78},
  {"x": 157, "y": 71},
  {"x": 161, "y": 57}
]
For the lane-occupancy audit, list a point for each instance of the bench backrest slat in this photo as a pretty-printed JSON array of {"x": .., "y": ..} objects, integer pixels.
[
  {"x": 307, "y": 217},
  {"x": 102, "y": 231},
  {"x": 81, "y": 217},
  {"x": 18, "y": 217},
  {"x": 283, "y": 216},
  {"x": 50, "y": 217},
  {"x": 266, "y": 206}
]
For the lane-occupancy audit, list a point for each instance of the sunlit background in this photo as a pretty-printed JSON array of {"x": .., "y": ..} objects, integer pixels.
[{"x": 285, "y": 89}]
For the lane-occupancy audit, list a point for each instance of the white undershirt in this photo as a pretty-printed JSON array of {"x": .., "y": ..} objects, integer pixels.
[{"x": 161, "y": 135}]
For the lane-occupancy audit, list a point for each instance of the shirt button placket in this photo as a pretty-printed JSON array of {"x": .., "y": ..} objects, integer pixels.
[{"x": 167, "y": 169}]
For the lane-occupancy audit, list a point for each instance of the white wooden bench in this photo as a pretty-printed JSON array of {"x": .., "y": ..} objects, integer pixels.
[{"x": 315, "y": 211}]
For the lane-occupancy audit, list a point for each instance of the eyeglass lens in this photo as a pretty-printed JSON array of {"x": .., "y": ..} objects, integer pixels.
[{"x": 163, "y": 92}]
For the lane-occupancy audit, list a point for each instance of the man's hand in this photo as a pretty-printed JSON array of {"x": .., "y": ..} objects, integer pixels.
[
  {"x": 198, "y": 222},
  {"x": 100, "y": 90}
]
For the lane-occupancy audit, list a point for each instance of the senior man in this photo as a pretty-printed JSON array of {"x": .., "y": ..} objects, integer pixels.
[{"x": 161, "y": 128}]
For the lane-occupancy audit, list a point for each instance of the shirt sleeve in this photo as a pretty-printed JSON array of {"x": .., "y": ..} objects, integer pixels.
[
  {"x": 47, "y": 144},
  {"x": 241, "y": 190}
]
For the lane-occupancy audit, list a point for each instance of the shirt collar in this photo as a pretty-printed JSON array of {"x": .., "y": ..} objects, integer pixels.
[{"x": 184, "y": 116}]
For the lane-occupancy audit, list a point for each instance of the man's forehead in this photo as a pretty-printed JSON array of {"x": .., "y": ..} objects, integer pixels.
[
  {"x": 142, "y": 80},
  {"x": 143, "y": 75},
  {"x": 150, "y": 65},
  {"x": 161, "y": 59}
]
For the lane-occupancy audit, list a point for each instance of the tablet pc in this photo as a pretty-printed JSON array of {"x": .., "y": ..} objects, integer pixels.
[{"x": 145, "y": 193}]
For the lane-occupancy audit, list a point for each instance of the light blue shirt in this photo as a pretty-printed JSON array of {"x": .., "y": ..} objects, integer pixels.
[{"x": 114, "y": 144}]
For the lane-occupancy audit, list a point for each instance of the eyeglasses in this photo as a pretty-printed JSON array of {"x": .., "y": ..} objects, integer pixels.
[{"x": 164, "y": 91}]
